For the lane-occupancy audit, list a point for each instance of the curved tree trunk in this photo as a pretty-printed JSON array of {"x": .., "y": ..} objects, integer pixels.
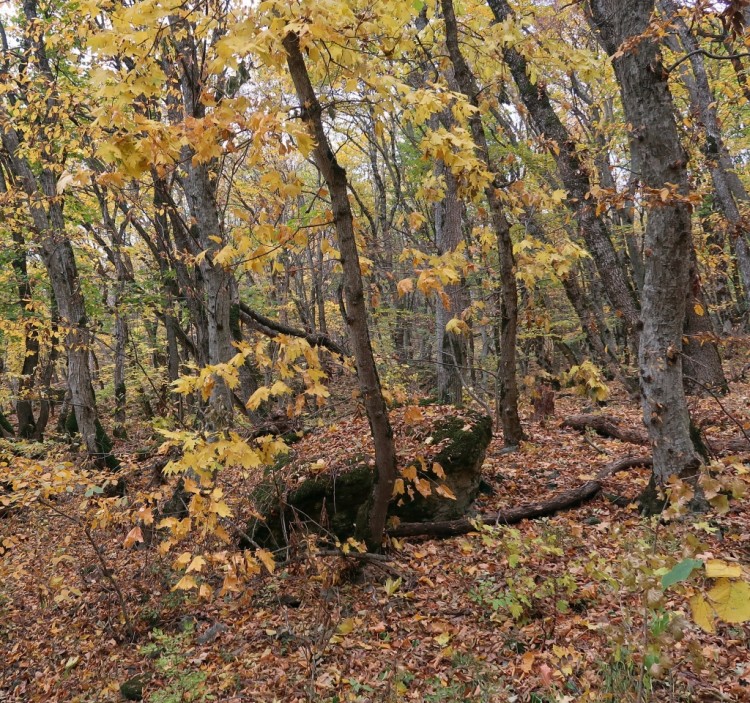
[
  {"x": 356, "y": 311},
  {"x": 575, "y": 178}
]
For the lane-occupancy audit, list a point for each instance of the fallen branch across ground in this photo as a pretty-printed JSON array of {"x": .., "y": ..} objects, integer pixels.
[
  {"x": 561, "y": 501},
  {"x": 607, "y": 426}
]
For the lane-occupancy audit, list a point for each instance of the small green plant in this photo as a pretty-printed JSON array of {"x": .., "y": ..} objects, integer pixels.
[
  {"x": 169, "y": 652},
  {"x": 523, "y": 593}
]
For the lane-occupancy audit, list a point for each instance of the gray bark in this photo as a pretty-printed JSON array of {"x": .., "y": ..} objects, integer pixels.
[
  {"x": 650, "y": 112},
  {"x": 59, "y": 261},
  {"x": 575, "y": 178},
  {"x": 200, "y": 187},
  {"x": 729, "y": 190},
  {"x": 450, "y": 347}
]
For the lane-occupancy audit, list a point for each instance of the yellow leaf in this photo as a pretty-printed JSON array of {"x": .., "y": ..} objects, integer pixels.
[
  {"x": 280, "y": 388},
  {"x": 258, "y": 397},
  {"x": 716, "y": 568},
  {"x": 558, "y": 195},
  {"x": 412, "y": 415},
  {"x": 391, "y": 586},
  {"x": 527, "y": 662},
  {"x": 346, "y": 626},
  {"x": 197, "y": 564},
  {"x": 182, "y": 561},
  {"x": 699, "y": 309},
  {"x": 135, "y": 535},
  {"x": 398, "y": 487},
  {"x": 405, "y": 286},
  {"x": 720, "y": 503},
  {"x": 443, "y": 490},
  {"x": 456, "y": 326},
  {"x": 443, "y": 638},
  {"x": 267, "y": 558},
  {"x": 423, "y": 487},
  {"x": 208, "y": 388},
  {"x": 409, "y": 473},
  {"x": 437, "y": 469},
  {"x": 205, "y": 591},
  {"x": 221, "y": 509},
  {"x": 731, "y": 600},
  {"x": 185, "y": 584}
]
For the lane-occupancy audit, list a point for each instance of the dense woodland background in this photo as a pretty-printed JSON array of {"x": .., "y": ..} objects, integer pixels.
[{"x": 269, "y": 274}]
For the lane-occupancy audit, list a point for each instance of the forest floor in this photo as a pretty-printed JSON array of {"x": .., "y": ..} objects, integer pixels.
[{"x": 565, "y": 608}]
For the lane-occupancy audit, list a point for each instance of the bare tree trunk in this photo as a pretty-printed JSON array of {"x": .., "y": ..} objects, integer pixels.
[
  {"x": 650, "y": 112},
  {"x": 512, "y": 431},
  {"x": 24, "y": 405},
  {"x": 450, "y": 346},
  {"x": 575, "y": 178},
  {"x": 356, "y": 310},
  {"x": 728, "y": 187}
]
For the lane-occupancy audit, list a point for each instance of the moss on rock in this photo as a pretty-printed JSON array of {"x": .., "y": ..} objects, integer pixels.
[{"x": 339, "y": 502}]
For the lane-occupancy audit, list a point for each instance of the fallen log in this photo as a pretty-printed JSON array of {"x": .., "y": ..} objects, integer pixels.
[
  {"x": 561, "y": 501},
  {"x": 607, "y": 426}
]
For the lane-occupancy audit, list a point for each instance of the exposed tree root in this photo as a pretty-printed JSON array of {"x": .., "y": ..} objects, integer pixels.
[{"x": 561, "y": 501}]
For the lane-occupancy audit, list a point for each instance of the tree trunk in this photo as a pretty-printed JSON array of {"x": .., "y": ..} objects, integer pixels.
[
  {"x": 512, "y": 431},
  {"x": 59, "y": 260},
  {"x": 24, "y": 405},
  {"x": 728, "y": 187},
  {"x": 649, "y": 110},
  {"x": 356, "y": 311},
  {"x": 575, "y": 178},
  {"x": 450, "y": 346}
]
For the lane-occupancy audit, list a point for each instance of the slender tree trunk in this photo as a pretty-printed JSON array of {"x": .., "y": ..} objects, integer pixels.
[
  {"x": 356, "y": 310},
  {"x": 728, "y": 187},
  {"x": 450, "y": 346},
  {"x": 24, "y": 405},
  {"x": 59, "y": 261},
  {"x": 512, "y": 431},
  {"x": 575, "y": 178},
  {"x": 650, "y": 112}
]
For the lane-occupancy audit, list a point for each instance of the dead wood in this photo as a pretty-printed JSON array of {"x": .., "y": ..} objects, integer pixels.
[
  {"x": 608, "y": 426},
  {"x": 561, "y": 501}
]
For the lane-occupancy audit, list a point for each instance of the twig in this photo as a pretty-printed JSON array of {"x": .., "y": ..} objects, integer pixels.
[
  {"x": 721, "y": 405},
  {"x": 103, "y": 567},
  {"x": 593, "y": 445}
]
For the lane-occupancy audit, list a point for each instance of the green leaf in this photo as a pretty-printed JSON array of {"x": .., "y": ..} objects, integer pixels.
[{"x": 680, "y": 572}]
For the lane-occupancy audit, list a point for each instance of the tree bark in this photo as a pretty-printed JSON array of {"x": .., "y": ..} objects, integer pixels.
[
  {"x": 200, "y": 186},
  {"x": 450, "y": 346},
  {"x": 356, "y": 312},
  {"x": 575, "y": 178},
  {"x": 512, "y": 430},
  {"x": 59, "y": 261},
  {"x": 728, "y": 188},
  {"x": 668, "y": 240}
]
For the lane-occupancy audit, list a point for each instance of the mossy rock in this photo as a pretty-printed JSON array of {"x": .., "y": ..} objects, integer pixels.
[
  {"x": 132, "y": 689},
  {"x": 338, "y": 503},
  {"x": 5, "y": 425},
  {"x": 461, "y": 458}
]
